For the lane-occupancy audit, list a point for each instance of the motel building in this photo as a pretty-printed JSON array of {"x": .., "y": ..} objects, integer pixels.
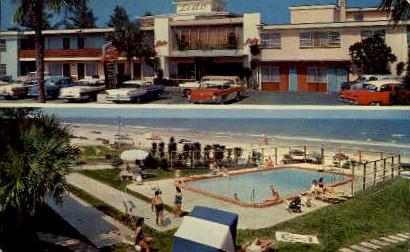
[{"x": 310, "y": 54}]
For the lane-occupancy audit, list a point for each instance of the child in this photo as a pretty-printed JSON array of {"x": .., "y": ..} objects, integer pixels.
[{"x": 158, "y": 204}]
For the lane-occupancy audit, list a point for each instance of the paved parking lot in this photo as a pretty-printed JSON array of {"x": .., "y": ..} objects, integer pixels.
[{"x": 173, "y": 95}]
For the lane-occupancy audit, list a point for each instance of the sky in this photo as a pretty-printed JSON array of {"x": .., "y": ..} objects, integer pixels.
[
  {"x": 315, "y": 113},
  {"x": 273, "y": 11}
]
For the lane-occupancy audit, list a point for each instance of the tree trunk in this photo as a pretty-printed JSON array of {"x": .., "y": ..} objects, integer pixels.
[
  {"x": 129, "y": 68},
  {"x": 39, "y": 46}
]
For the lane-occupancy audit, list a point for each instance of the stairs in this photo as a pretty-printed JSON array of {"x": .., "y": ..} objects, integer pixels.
[{"x": 376, "y": 244}]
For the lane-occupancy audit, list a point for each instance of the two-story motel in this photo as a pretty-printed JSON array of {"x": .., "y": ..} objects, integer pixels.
[{"x": 311, "y": 53}]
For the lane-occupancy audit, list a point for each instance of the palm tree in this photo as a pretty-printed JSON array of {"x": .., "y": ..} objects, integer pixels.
[
  {"x": 36, "y": 155},
  {"x": 128, "y": 37},
  {"x": 399, "y": 9},
  {"x": 82, "y": 16},
  {"x": 37, "y": 7}
]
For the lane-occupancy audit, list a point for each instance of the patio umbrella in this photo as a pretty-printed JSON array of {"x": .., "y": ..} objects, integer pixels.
[{"x": 132, "y": 155}]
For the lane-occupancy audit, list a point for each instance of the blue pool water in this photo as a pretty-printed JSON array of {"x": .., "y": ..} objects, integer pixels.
[{"x": 255, "y": 187}]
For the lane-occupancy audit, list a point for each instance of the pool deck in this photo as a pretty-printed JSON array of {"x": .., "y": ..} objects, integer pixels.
[{"x": 249, "y": 218}]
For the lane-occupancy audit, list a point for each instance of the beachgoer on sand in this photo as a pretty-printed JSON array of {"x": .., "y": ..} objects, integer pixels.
[{"x": 158, "y": 205}]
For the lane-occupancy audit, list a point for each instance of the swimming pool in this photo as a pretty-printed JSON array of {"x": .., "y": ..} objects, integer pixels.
[{"x": 254, "y": 187}]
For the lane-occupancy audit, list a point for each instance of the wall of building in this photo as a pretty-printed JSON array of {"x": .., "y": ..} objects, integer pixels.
[
  {"x": 322, "y": 14},
  {"x": 397, "y": 40},
  {"x": 373, "y": 15},
  {"x": 9, "y": 57},
  {"x": 90, "y": 41}
]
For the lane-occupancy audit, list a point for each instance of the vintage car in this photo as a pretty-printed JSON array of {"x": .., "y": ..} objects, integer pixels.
[
  {"x": 52, "y": 85},
  {"x": 372, "y": 92},
  {"x": 93, "y": 80},
  {"x": 82, "y": 91},
  {"x": 134, "y": 91},
  {"x": 215, "y": 92},
  {"x": 14, "y": 89},
  {"x": 186, "y": 87}
]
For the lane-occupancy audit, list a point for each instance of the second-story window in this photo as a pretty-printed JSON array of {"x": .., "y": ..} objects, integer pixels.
[
  {"x": 319, "y": 39},
  {"x": 270, "y": 74},
  {"x": 80, "y": 43},
  {"x": 270, "y": 40},
  {"x": 369, "y": 33},
  {"x": 358, "y": 17},
  {"x": 3, "y": 45},
  {"x": 3, "y": 69},
  {"x": 66, "y": 43}
]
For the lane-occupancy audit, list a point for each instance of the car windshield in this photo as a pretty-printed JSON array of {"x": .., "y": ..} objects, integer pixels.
[
  {"x": 369, "y": 87},
  {"x": 127, "y": 85}
]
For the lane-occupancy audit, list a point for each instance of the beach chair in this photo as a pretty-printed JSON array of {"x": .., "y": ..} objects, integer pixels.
[{"x": 307, "y": 201}]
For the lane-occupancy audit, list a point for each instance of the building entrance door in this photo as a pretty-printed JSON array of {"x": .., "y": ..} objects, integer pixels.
[
  {"x": 293, "y": 79},
  {"x": 66, "y": 70},
  {"x": 80, "y": 71}
]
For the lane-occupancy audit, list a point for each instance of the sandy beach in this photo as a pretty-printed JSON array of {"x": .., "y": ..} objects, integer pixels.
[{"x": 142, "y": 138}]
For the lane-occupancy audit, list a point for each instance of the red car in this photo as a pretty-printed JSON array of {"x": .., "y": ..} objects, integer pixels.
[
  {"x": 372, "y": 92},
  {"x": 215, "y": 92}
]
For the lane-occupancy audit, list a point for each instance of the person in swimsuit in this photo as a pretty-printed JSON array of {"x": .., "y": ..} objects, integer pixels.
[
  {"x": 158, "y": 204},
  {"x": 275, "y": 193},
  {"x": 140, "y": 239},
  {"x": 321, "y": 185},
  {"x": 178, "y": 203}
]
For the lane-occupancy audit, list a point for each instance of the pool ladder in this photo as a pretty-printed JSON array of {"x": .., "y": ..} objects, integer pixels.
[{"x": 253, "y": 194}]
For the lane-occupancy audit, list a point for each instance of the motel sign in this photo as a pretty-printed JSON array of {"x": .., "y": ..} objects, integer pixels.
[{"x": 204, "y": 6}]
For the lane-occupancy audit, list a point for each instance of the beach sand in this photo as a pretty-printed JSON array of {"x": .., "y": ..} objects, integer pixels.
[{"x": 143, "y": 137}]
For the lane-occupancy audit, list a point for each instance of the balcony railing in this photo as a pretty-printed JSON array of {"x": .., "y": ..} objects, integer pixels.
[{"x": 63, "y": 53}]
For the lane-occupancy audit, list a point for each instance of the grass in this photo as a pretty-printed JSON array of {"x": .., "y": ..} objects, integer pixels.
[
  {"x": 97, "y": 153},
  {"x": 111, "y": 177},
  {"x": 163, "y": 240},
  {"x": 365, "y": 217}
]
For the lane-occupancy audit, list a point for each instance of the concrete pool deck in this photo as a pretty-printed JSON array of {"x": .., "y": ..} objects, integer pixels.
[{"x": 249, "y": 218}]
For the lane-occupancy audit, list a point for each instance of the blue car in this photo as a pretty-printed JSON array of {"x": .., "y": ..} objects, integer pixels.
[
  {"x": 52, "y": 86},
  {"x": 135, "y": 92}
]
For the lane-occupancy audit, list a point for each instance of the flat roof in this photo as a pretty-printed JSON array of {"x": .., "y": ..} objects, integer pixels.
[
  {"x": 311, "y": 7},
  {"x": 62, "y": 31},
  {"x": 332, "y": 25}
]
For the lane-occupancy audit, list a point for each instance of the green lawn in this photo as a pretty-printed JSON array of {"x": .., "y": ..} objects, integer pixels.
[
  {"x": 367, "y": 216},
  {"x": 97, "y": 153}
]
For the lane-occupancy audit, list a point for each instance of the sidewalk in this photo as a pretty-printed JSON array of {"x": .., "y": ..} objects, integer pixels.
[
  {"x": 100, "y": 229},
  {"x": 120, "y": 201}
]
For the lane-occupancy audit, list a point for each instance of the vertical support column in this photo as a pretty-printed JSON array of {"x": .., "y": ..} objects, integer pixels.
[
  {"x": 364, "y": 176},
  {"x": 304, "y": 152},
  {"x": 276, "y": 155},
  {"x": 392, "y": 167},
  {"x": 360, "y": 156},
  {"x": 384, "y": 169},
  {"x": 399, "y": 164},
  {"x": 375, "y": 172},
  {"x": 353, "y": 178}
]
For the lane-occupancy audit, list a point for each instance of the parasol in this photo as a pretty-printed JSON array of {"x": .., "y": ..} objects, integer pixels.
[{"x": 132, "y": 155}]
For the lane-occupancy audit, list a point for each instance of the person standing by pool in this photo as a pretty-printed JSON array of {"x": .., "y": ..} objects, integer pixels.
[
  {"x": 321, "y": 185},
  {"x": 275, "y": 193},
  {"x": 158, "y": 204},
  {"x": 314, "y": 189},
  {"x": 178, "y": 203}
]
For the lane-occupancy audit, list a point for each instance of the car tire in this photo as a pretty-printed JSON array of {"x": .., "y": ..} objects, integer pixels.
[
  {"x": 138, "y": 100},
  {"x": 221, "y": 100}
]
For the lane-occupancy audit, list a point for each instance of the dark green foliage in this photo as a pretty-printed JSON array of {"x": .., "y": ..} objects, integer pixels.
[
  {"x": 81, "y": 16},
  {"x": 398, "y": 9},
  {"x": 372, "y": 55}
]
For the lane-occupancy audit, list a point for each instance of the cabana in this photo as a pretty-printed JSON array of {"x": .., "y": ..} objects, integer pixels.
[{"x": 207, "y": 230}]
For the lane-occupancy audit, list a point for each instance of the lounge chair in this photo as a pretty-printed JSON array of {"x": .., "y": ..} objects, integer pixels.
[{"x": 307, "y": 201}]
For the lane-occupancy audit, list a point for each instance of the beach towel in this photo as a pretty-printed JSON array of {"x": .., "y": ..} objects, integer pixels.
[{"x": 296, "y": 238}]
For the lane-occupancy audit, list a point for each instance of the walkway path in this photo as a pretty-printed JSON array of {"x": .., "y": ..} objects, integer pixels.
[
  {"x": 377, "y": 244},
  {"x": 121, "y": 201},
  {"x": 100, "y": 229}
]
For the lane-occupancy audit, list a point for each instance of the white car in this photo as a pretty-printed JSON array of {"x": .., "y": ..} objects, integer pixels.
[
  {"x": 134, "y": 91},
  {"x": 188, "y": 86},
  {"x": 92, "y": 80},
  {"x": 13, "y": 89},
  {"x": 85, "y": 91}
]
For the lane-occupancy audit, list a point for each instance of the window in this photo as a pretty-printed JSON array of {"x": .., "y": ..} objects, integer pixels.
[
  {"x": 270, "y": 74},
  {"x": 319, "y": 39},
  {"x": 358, "y": 17},
  {"x": 148, "y": 70},
  {"x": 91, "y": 69},
  {"x": 80, "y": 43},
  {"x": 186, "y": 71},
  {"x": 66, "y": 43},
  {"x": 368, "y": 34},
  {"x": 3, "y": 69},
  {"x": 55, "y": 69},
  {"x": 317, "y": 74},
  {"x": 3, "y": 47},
  {"x": 271, "y": 40}
]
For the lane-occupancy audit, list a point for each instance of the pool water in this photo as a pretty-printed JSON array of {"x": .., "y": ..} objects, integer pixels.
[{"x": 255, "y": 187}]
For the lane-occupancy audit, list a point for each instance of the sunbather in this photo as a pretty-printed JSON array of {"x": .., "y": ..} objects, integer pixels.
[
  {"x": 140, "y": 239},
  {"x": 295, "y": 205},
  {"x": 314, "y": 189}
]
